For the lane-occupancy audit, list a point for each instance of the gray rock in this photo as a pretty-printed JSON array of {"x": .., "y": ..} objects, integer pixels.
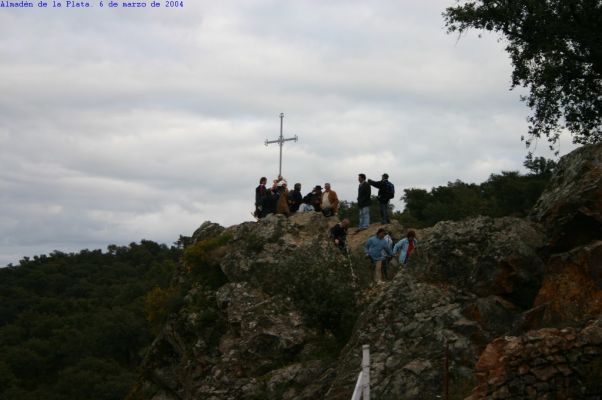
[{"x": 571, "y": 206}]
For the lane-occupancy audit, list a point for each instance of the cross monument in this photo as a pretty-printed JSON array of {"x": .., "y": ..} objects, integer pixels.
[{"x": 280, "y": 142}]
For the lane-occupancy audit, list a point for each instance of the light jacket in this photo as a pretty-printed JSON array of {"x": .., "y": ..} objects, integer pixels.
[
  {"x": 401, "y": 247},
  {"x": 377, "y": 248}
]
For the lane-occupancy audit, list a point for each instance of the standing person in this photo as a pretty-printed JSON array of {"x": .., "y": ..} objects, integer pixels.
[
  {"x": 295, "y": 198},
  {"x": 261, "y": 193},
  {"x": 375, "y": 247},
  {"x": 405, "y": 247},
  {"x": 386, "y": 191},
  {"x": 330, "y": 201},
  {"x": 363, "y": 202},
  {"x": 339, "y": 234}
]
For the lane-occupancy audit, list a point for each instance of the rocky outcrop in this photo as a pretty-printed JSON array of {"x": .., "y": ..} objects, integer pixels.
[
  {"x": 545, "y": 364},
  {"x": 571, "y": 290},
  {"x": 571, "y": 207},
  {"x": 264, "y": 305},
  {"x": 484, "y": 256},
  {"x": 407, "y": 325},
  {"x": 273, "y": 310}
]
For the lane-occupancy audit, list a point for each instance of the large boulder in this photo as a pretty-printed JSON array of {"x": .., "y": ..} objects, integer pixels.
[
  {"x": 572, "y": 288},
  {"x": 545, "y": 364},
  {"x": 571, "y": 206},
  {"x": 484, "y": 256},
  {"x": 408, "y": 325},
  {"x": 271, "y": 252}
]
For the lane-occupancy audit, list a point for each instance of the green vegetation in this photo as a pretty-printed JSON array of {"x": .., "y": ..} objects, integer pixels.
[
  {"x": 556, "y": 53},
  {"x": 73, "y": 326}
]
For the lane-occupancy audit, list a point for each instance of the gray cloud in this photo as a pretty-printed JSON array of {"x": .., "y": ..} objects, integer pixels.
[{"x": 118, "y": 125}]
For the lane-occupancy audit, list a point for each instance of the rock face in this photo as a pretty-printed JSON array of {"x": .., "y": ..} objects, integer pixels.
[
  {"x": 406, "y": 326},
  {"x": 272, "y": 310},
  {"x": 545, "y": 364},
  {"x": 263, "y": 305},
  {"x": 484, "y": 256},
  {"x": 572, "y": 288},
  {"x": 571, "y": 208}
]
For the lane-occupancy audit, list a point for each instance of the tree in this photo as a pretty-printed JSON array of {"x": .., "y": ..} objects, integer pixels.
[{"x": 556, "y": 50}]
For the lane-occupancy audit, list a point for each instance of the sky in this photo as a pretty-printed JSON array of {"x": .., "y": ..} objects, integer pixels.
[{"x": 119, "y": 124}]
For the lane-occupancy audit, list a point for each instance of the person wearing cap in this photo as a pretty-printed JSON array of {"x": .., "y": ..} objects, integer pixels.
[
  {"x": 330, "y": 201},
  {"x": 386, "y": 192},
  {"x": 315, "y": 197}
]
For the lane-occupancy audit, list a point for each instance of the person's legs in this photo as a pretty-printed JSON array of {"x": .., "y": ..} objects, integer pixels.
[
  {"x": 377, "y": 271},
  {"x": 363, "y": 224},
  {"x": 384, "y": 213}
]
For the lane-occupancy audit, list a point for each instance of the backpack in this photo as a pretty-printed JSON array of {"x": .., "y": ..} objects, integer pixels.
[{"x": 389, "y": 191}]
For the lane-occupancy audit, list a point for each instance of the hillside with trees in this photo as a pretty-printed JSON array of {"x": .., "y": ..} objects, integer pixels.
[{"x": 74, "y": 326}]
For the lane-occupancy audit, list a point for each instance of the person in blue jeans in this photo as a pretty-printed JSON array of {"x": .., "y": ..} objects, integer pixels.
[
  {"x": 386, "y": 191},
  {"x": 377, "y": 248},
  {"x": 363, "y": 202}
]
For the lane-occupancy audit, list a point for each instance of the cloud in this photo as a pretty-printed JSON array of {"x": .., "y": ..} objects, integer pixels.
[{"x": 118, "y": 125}]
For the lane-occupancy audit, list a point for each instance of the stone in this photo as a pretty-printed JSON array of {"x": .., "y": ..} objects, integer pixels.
[
  {"x": 571, "y": 207},
  {"x": 572, "y": 289},
  {"x": 498, "y": 257},
  {"x": 544, "y": 373}
]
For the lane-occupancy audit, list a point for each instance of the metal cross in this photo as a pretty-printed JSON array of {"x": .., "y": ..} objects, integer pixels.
[{"x": 280, "y": 141}]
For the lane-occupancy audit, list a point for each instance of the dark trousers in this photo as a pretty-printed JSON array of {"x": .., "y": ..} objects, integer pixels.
[{"x": 384, "y": 212}]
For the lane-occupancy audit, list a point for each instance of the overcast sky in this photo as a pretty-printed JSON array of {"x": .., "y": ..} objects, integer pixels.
[{"x": 124, "y": 124}]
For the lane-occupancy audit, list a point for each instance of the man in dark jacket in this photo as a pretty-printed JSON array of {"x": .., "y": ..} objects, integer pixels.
[
  {"x": 261, "y": 193},
  {"x": 386, "y": 192},
  {"x": 315, "y": 197},
  {"x": 363, "y": 202},
  {"x": 339, "y": 234},
  {"x": 295, "y": 198}
]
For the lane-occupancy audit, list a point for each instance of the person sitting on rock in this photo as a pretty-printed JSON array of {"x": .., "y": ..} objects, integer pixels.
[
  {"x": 282, "y": 205},
  {"x": 306, "y": 204},
  {"x": 339, "y": 234},
  {"x": 330, "y": 201},
  {"x": 405, "y": 247},
  {"x": 375, "y": 247},
  {"x": 295, "y": 198},
  {"x": 316, "y": 198},
  {"x": 269, "y": 203}
]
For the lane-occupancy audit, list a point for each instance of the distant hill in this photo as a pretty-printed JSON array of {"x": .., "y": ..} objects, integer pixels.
[{"x": 74, "y": 326}]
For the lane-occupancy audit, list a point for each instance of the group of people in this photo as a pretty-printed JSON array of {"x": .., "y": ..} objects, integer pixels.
[
  {"x": 386, "y": 192},
  {"x": 379, "y": 248},
  {"x": 277, "y": 199}
]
